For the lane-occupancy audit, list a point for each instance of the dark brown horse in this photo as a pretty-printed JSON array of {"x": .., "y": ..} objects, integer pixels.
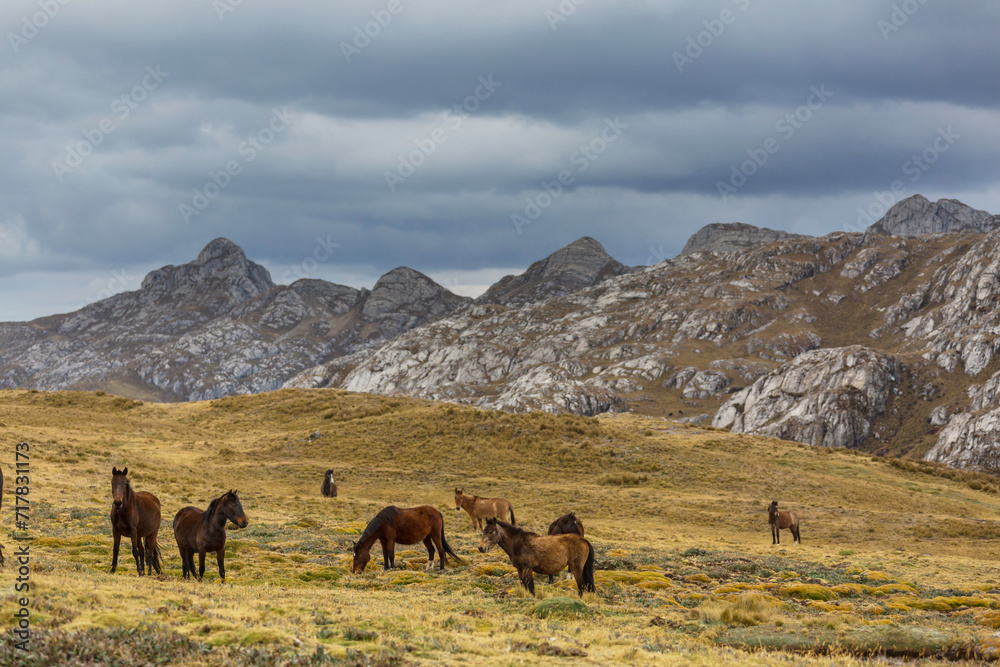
[
  {"x": 782, "y": 519},
  {"x": 483, "y": 508},
  {"x": 204, "y": 531},
  {"x": 137, "y": 515},
  {"x": 544, "y": 554},
  {"x": 329, "y": 488},
  {"x": 567, "y": 523},
  {"x": 396, "y": 525}
]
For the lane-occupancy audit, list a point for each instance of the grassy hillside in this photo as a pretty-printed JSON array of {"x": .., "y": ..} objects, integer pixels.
[{"x": 898, "y": 557}]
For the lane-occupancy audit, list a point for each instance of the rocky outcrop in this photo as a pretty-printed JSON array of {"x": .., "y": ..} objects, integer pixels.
[
  {"x": 918, "y": 215},
  {"x": 731, "y": 237},
  {"x": 829, "y": 397},
  {"x": 583, "y": 263}
]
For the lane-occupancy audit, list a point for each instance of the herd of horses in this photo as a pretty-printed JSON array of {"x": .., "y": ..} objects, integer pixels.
[{"x": 136, "y": 514}]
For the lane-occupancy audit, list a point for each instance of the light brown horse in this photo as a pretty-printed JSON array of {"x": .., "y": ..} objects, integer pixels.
[
  {"x": 544, "y": 554},
  {"x": 205, "y": 530},
  {"x": 396, "y": 525},
  {"x": 782, "y": 519},
  {"x": 136, "y": 514},
  {"x": 480, "y": 509}
]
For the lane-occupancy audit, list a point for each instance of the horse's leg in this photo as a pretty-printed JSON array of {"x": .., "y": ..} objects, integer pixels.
[
  {"x": 429, "y": 543},
  {"x": 155, "y": 543},
  {"x": 190, "y": 561},
  {"x": 220, "y": 555},
  {"x": 201, "y": 564},
  {"x": 774, "y": 533},
  {"x": 184, "y": 564},
  {"x": 391, "y": 545},
  {"x": 137, "y": 553},
  {"x": 114, "y": 554},
  {"x": 438, "y": 539}
]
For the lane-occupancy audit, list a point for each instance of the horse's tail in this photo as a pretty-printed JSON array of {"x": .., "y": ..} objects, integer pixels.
[
  {"x": 510, "y": 508},
  {"x": 588, "y": 570},
  {"x": 447, "y": 547}
]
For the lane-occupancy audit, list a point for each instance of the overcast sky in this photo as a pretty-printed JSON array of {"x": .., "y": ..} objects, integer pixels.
[{"x": 339, "y": 140}]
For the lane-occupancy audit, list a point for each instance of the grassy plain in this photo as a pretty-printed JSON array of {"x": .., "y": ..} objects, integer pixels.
[{"x": 898, "y": 558}]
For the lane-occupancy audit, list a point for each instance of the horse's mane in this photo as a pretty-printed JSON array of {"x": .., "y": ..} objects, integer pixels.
[
  {"x": 212, "y": 508},
  {"x": 511, "y": 528},
  {"x": 386, "y": 515}
]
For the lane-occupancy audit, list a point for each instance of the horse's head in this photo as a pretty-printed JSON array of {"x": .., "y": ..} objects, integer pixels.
[
  {"x": 361, "y": 558},
  {"x": 492, "y": 534},
  {"x": 329, "y": 474},
  {"x": 772, "y": 509},
  {"x": 119, "y": 482},
  {"x": 458, "y": 498},
  {"x": 233, "y": 509}
]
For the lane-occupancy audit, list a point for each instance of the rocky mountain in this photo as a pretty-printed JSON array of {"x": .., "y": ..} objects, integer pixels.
[
  {"x": 917, "y": 215},
  {"x": 215, "y": 326},
  {"x": 882, "y": 342},
  {"x": 732, "y": 236},
  {"x": 582, "y": 263}
]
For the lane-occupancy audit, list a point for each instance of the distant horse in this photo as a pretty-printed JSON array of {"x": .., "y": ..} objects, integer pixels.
[
  {"x": 204, "y": 531},
  {"x": 395, "y": 525},
  {"x": 782, "y": 519},
  {"x": 136, "y": 514},
  {"x": 544, "y": 554},
  {"x": 329, "y": 489},
  {"x": 567, "y": 523},
  {"x": 483, "y": 508}
]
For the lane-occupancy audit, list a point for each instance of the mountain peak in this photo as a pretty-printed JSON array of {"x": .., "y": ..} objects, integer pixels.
[
  {"x": 221, "y": 248},
  {"x": 919, "y": 215},
  {"x": 730, "y": 236},
  {"x": 582, "y": 263}
]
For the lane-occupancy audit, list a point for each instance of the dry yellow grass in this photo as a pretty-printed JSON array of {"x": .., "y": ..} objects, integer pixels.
[{"x": 686, "y": 572}]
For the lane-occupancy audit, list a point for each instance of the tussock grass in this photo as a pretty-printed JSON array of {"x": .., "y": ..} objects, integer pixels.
[{"x": 684, "y": 556}]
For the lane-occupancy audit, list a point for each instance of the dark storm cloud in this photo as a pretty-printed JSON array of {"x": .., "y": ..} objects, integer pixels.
[{"x": 417, "y": 142}]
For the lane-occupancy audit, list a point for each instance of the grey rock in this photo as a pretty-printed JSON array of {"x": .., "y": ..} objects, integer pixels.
[
  {"x": 732, "y": 236},
  {"x": 918, "y": 215}
]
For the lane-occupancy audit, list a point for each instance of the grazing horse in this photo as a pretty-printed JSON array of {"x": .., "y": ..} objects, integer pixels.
[
  {"x": 567, "y": 523},
  {"x": 395, "y": 525},
  {"x": 782, "y": 519},
  {"x": 329, "y": 489},
  {"x": 544, "y": 554},
  {"x": 136, "y": 514},
  {"x": 204, "y": 531},
  {"x": 483, "y": 508}
]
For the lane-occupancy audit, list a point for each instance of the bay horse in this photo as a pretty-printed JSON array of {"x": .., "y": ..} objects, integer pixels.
[
  {"x": 396, "y": 525},
  {"x": 329, "y": 488},
  {"x": 782, "y": 519},
  {"x": 544, "y": 554},
  {"x": 137, "y": 515},
  {"x": 205, "y": 530},
  {"x": 567, "y": 523},
  {"x": 483, "y": 508}
]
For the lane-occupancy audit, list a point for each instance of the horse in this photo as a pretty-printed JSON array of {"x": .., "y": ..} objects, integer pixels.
[
  {"x": 544, "y": 554},
  {"x": 483, "y": 508},
  {"x": 329, "y": 489},
  {"x": 136, "y": 514},
  {"x": 204, "y": 531},
  {"x": 567, "y": 523},
  {"x": 395, "y": 525},
  {"x": 782, "y": 519}
]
